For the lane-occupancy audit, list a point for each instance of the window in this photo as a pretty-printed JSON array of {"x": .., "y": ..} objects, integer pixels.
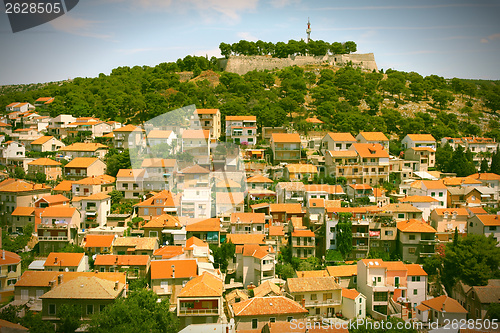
[
  {"x": 379, "y": 279},
  {"x": 415, "y": 291},
  {"x": 102, "y": 269},
  {"x": 441, "y": 194},
  {"x": 101, "y": 307},
  {"x": 411, "y": 237},
  {"x": 52, "y": 309},
  {"x": 388, "y": 233},
  {"x": 254, "y": 323},
  {"x": 313, "y": 297},
  {"x": 415, "y": 278},
  {"x": 332, "y": 229},
  {"x": 11, "y": 282},
  {"x": 401, "y": 215},
  {"x": 24, "y": 294},
  {"x": 411, "y": 250},
  {"x": 289, "y": 319},
  {"x": 433, "y": 194},
  {"x": 90, "y": 309},
  {"x": 153, "y": 234},
  {"x": 272, "y": 320},
  {"x": 332, "y": 241},
  {"x": 12, "y": 268}
]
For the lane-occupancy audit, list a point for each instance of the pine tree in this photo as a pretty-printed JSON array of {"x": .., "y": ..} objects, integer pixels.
[
  {"x": 495, "y": 162},
  {"x": 484, "y": 165}
]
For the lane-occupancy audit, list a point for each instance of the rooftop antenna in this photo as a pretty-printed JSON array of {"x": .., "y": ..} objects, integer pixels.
[{"x": 308, "y": 30}]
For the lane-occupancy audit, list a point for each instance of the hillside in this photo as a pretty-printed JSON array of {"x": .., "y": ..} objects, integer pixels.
[{"x": 344, "y": 98}]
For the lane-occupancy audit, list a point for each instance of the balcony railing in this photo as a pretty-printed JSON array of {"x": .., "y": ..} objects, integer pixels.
[
  {"x": 328, "y": 302},
  {"x": 360, "y": 234},
  {"x": 53, "y": 238},
  {"x": 428, "y": 241},
  {"x": 198, "y": 312},
  {"x": 361, "y": 247}
]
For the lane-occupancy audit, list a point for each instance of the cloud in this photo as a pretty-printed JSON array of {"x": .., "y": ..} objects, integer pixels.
[
  {"x": 247, "y": 36},
  {"x": 209, "y": 53},
  {"x": 77, "y": 26},
  {"x": 490, "y": 37},
  {"x": 484, "y": 40},
  {"x": 283, "y": 3}
]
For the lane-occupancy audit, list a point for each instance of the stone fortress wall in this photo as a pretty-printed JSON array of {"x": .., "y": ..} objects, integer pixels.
[{"x": 243, "y": 64}]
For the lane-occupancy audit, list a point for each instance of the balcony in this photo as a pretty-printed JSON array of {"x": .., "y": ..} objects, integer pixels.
[
  {"x": 428, "y": 241},
  {"x": 60, "y": 226},
  {"x": 361, "y": 247},
  {"x": 199, "y": 312},
  {"x": 328, "y": 302},
  {"x": 360, "y": 235},
  {"x": 286, "y": 149},
  {"x": 53, "y": 238},
  {"x": 91, "y": 209},
  {"x": 426, "y": 254}
]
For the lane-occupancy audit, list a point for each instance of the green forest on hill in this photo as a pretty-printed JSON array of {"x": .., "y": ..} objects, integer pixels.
[{"x": 346, "y": 99}]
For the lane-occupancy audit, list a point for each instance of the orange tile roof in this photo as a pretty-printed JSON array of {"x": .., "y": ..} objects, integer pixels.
[
  {"x": 57, "y": 211},
  {"x": 418, "y": 198},
  {"x": 81, "y": 162},
  {"x": 165, "y": 196},
  {"x": 162, "y": 269},
  {"x": 54, "y": 199},
  {"x": 11, "y": 258},
  {"x": 212, "y": 224},
  {"x": 248, "y": 218},
  {"x": 415, "y": 270},
  {"x": 17, "y": 185},
  {"x": 228, "y": 184},
  {"x": 137, "y": 243},
  {"x": 302, "y": 168},
  {"x": 207, "y": 111},
  {"x": 314, "y": 121},
  {"x": 130, "y": 173},
  {"x": 84, "y": 287},
  {"x": 44, "y": 162},
  {"x": 477, "y": 210},
  {"x": 169, "y": 251},
  {"x": 308, "y": 274},
  {"x": 374, "y": 136},
  {"x": 205, "y": 285},
  {"x": 64, "y": 186},
  {"x": 163, "y": 221},
  {"x": 23, "y": 211},
  {"x": 400, "y": 207},
  {"x": 429, "y": 149},
  {"x": 99, "y": 241},
  {"x": 415, "y": 226},
  {"x": 458, "y": 211},
  {"x": 302, "y": 233},
  {"x": 421, "y": 137},
  {"x": 342, "y": 153},
  {"x": 342, "y": 270},
  {"x": 12, "y": 327},
  {"x": 234, "y": 198},
  {"x": 485, "y": 176},
  {"x": 342, "y": 137},
  {"x": 159, "y": 134},
  {"x": 158, "y": 163},
  {"x": 43, "y": 99},
  {"x": 394, "y": 265},
  {"x": 489, "y": 220},
  {"x": 41, "y": 140},
  {"x": 264, "y": 306},
  {"x": 44, "y": 278},
  {"x": 444, "y": 304},
  {"x": 121, "y": 260},
  {"x": 5, "y": 125},
  {"x": 128, "y": 128},
  {"x": 318, "y": 203},
  {"x": 96, "y": 180},
  {"x": 350, "y": 293},
  {"x": 289, "y": 208},
  {"x": 250, "y": 118},
  {"x": 195, "y": 169},
  {"x": 239, "y": 239},
  {"x": 266, "y": 288},
  {"x": 195, "y": 241},
  {"x": 276, "y": 231},
  {"x": 259, "y": 179},
  {"x": 63, "y": 259},
  {"x": 312, "y": 284},
  {"x": 361, "y": 186},
  {"x": 330, "y": 189},
  {"x": 286, "y": 137},
  {"x": 255, "y": 250},
  {"x": 81, "y": 146},
  {"x": 196, "y": 134},
  {"x": 434, "y": 184},
  {"x": 370, "y": 150}
]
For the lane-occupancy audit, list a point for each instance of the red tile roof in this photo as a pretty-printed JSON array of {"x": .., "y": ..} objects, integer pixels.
[
  {"x": 342, "y": 270},
  {"x": 162, "y": 269},
  {"x": 121, "y": 260},
  {"x": 169, "y": 251},
  {"x": 205, "y": 285},
  {"x": 10, "y": 258},
  {"x": 99, "y": 241},
  {"x": 350, "y": 293},
  {"x": 56, "y": 211},
  {"x": 342, "y": 137},
  {"x": 264, "y": 306},
  {"x": 415, "y": 226},
  {"x": 286, "y": 137},
  {"x": 212, "y": 224},
  {"x": 444, "y": 304},
  {"x": 415, "y": 270},
  {"x": 63, "y": 259}
]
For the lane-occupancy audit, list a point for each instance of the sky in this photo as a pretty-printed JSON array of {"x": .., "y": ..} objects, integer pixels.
[{"x": 449, "y": 38}]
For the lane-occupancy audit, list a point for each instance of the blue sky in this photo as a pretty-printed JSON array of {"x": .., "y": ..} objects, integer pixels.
[{"x": 448, "y": 38}]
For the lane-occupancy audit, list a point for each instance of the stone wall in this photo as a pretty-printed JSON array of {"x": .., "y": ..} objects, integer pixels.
[{"x": 243, "y": 64}]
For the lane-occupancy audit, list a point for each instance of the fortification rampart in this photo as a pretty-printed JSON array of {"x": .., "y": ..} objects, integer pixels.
[{"x": 243, "y": 64}]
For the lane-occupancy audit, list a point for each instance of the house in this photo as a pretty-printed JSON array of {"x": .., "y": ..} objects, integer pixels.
[
  {"x": 228, "y": 203},
  {"x": 259, "y": 182},
  {"x": 193, "y": 176},
  {"x": 200, "y": 300},
  {"x": 358, "y": 191},
  {"x": 482, "y": 148},
  {"x": 33, "y": 284},
  {"x": 168, "y": 277},
  {"x": 160, "y": 173},
  {"x": 374, "y": 138},
  {"x": 416, "y": 282},
  {"x": 426, "y": 156},
  {"x": 424, "y": 203},
  {"x": 66, "y": 262},
  {"x": 82, "y": 167},
  {"x": 10, "y": 271},
  {"x": 416, "y": 240},
  {"x": 275, "y": 237},
  {"x": 131, "y": 183},
  {"x": 158, "y": 137},
  {"x": 254, "y": 263},
  {"x": 197, "y": 144},
  {"x": 95, "y": 209},
  {"x": 92, "y": 127},
  {"x": 158, "y": 204},
  {"x": 418, "y": 140},
  {"x": 255, "y": 312},
  {"x": 101, "y": 184},
  {"x": 81, "y": 149},
  {"x": 58, "y": 125},
  {"x": 58, "y": 228},
  {"x": 286, "y": 147},
  {"x": 208, "y": 120},
  {"x": 247, "y": 223},
  {"x": 20, "y": 107},
  {"x": 98, "y": 244},
  {"x": 241, "y": 129},
  {"x": 485, "y": 225},
  {"x": 46, "y": 143},
  {"x": 303, "y": 243},
  {"x": 52, "y": 200},
  {"x": 44, "y": 101},
  {"x": 21, "y": 217},
  {"x": 207, "y": 230},
  {"x": 353, "y": 304},
  {"x": 290, "y": 192},
  {"x": 402, "y": 211},
  {"x": 282, "y": 213},
  {"x": 12, "y": 153},
  {"x": 135, "y": 266},
  {"x": 481, "y": 196},
  {"x": 135, "y": 245},
  {"x": 197, "y": 202},
  {"x": 267, "y": 289},
  {"x": 445, "y": 220},
  {"x": 323, "y": 191},
  {"x": 50, "y": 168},
  {"x": 236, "y": 295},
  {"x": 64, "y": 188},
  {"x": 441, "y": 309},
  {"x": 479, "y": 298},
  {"x": 360, "y": 226},
  {"x": 300, "y": 172},
  {"x": 92, "y": 294},
  {"x": 162, "y": 227},
  {"x": 345, "y": 275},
  {"x": 321, "y": 296},
  {"x": 128, "y": 137},
  {"x": 488, "y": 179},
  {"x": 336, "y": 142},
  {"x": 432, "y": 188}
]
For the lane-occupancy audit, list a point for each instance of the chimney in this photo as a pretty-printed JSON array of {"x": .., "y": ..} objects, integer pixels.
[
  {"x": 303, "y": 302},
  {"x": 3, "y": 254},
  {"x": 52, "y": 284},
  {"x": 116, "y": 284},
  {"x": 173, "y": 271},
  {"x": 60, "y": 279},
  {"x": 55, "y": 260}
]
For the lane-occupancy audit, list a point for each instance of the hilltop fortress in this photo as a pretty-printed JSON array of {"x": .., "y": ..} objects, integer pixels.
[{"x": 243, "y": 64}]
